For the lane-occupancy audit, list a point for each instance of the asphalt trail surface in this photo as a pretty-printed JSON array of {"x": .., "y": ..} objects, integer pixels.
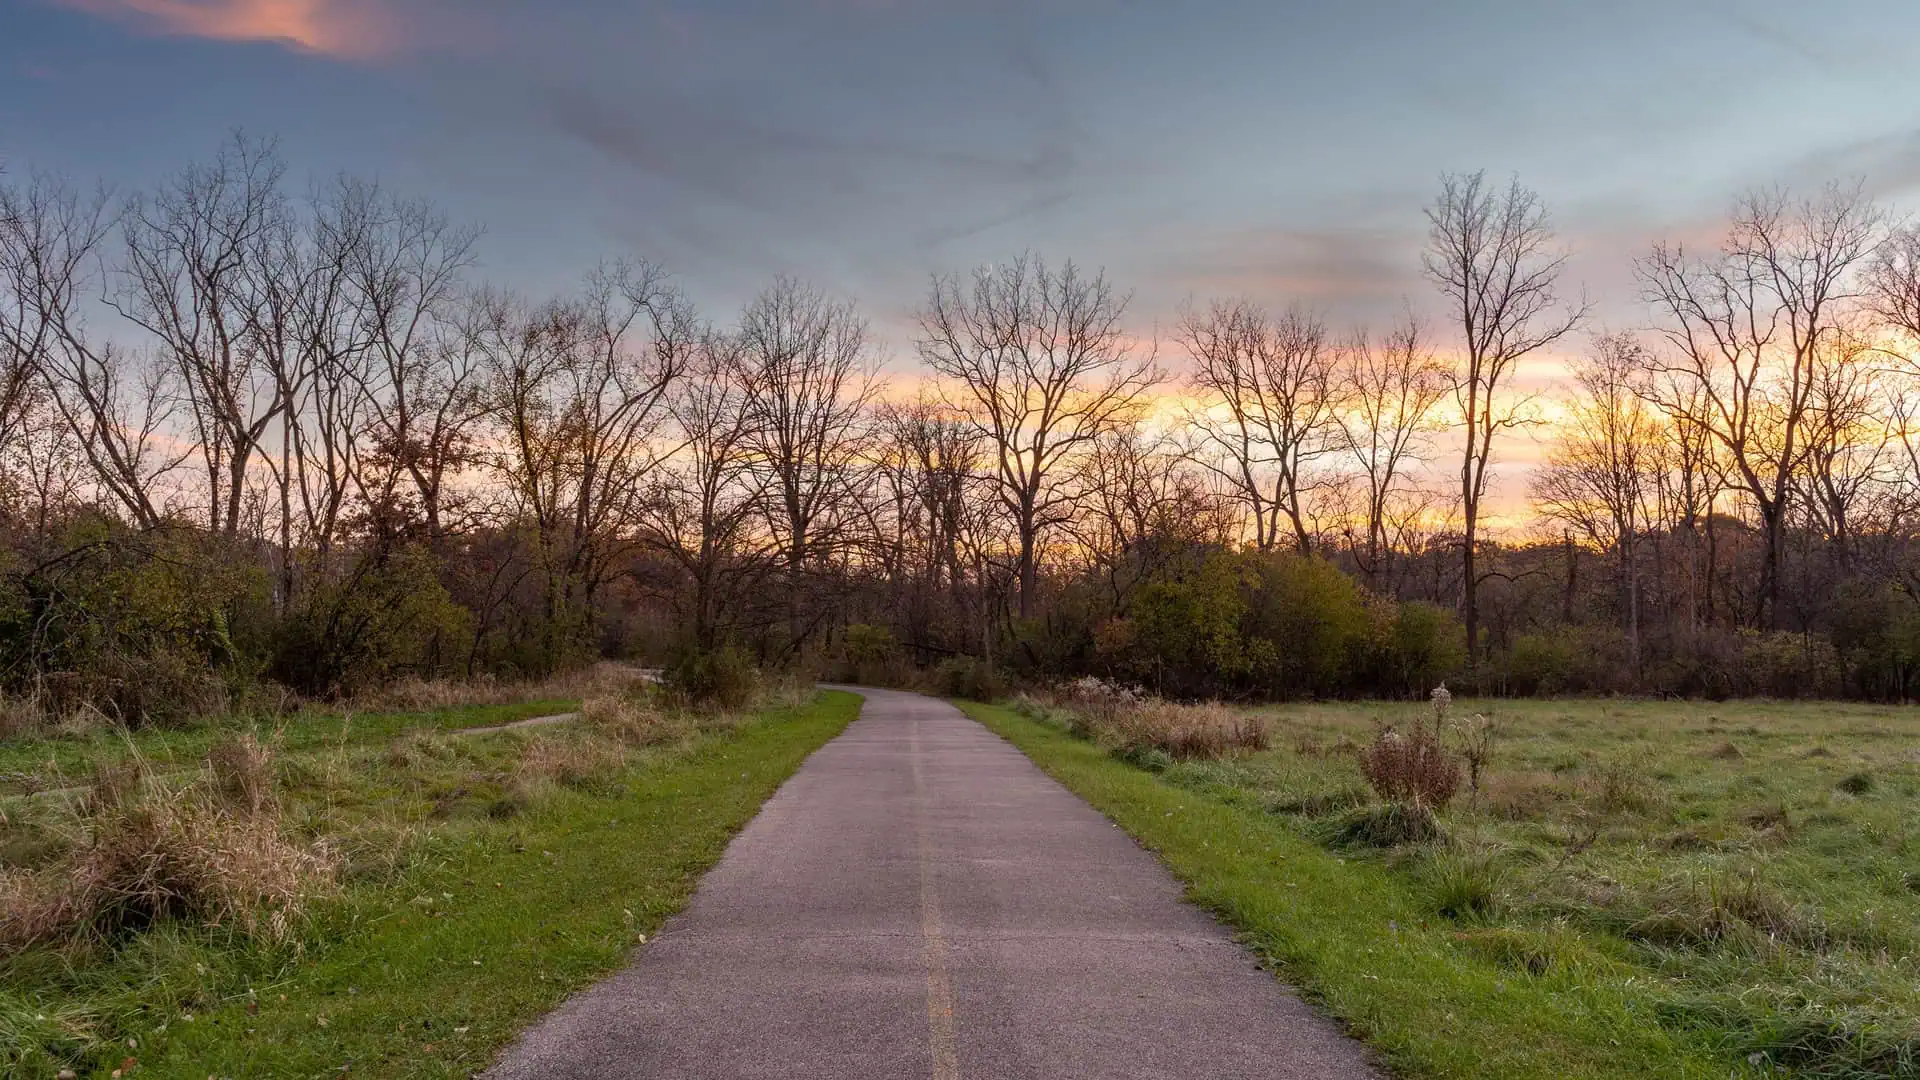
[{"x": 920, "y": 900}]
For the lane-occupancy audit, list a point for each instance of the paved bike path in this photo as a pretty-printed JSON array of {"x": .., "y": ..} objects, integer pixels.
[{"x": 920, "y": 900}]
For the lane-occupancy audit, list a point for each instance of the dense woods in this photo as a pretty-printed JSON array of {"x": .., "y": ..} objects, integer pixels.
[{"x": 258, "y": 433}]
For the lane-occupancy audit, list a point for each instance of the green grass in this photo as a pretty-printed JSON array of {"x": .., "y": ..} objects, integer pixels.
[
  {"x": 1630, "y": 898},
  {"x": 470, "y": 906},
  {"x": 72, "y": 755}
]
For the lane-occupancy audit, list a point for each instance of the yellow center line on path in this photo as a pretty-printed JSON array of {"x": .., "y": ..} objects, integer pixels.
[{"x": 940, "y": 1039}]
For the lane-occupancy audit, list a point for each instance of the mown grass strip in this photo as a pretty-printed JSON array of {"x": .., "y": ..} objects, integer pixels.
[
  {"x": 1428, "y": 995},
  {"x": 431, "y": 974}
]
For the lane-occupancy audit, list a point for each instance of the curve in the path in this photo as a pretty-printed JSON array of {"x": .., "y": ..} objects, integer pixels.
[{"x": 921, "y": 901}]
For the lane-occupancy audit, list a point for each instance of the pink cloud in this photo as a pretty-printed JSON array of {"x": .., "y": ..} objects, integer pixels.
[{"x": 348, "y": 29}]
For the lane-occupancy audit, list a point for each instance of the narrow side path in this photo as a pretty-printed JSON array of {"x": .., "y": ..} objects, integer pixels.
[{"x": 919, "y": 900}]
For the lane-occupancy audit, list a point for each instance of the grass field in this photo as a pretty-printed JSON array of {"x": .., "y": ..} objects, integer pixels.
[
  {"x": 474, "y": 881},
  {"x": 1639, "y": 889}
]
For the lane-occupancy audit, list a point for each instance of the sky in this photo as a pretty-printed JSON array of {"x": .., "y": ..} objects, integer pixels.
[{"x": 1275, "y": 149}]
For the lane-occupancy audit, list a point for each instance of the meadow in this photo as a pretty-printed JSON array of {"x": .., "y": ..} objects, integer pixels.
[
  {"x": 396, "y": 894},
  {"x": 1670, "y": 888}
]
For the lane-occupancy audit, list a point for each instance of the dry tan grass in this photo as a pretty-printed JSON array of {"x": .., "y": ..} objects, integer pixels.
[
  {"x": 1134, "y": 724},
  {"x": 572, "y": 760},
  {"x": 414, "y": 694},
  {"x": 634, "y": 721},
  {"x": 1187, "y": 732},
  {"x": 20, "y": 717},
  {"x": 212, "y": 850},
  {"x": 241, "y": 770},
  {"x": 418, "y": 749},
  {"x": 1523, "y": 796}
]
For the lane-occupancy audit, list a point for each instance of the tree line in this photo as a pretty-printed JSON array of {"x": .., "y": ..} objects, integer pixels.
[{"x": 252, "y": 435}]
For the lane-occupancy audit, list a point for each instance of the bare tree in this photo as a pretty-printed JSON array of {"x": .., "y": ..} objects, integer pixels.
[
  {"x": 422, "y": 382},
  {"x": 1600, "y": 476},
  {"x": 1146, "y": 506},
  {"x": 578, "y": 393},
  {"x": 931, "y": 463},
  {"x": 810, "y": 378},
  {"x": 1491, "y": 252},
  {"x": 1390, "y": 390},
  {"x": 117, "y": 404},
  {"x": 1854, "y": 424},
  {"x": 1267, "y": 410},
  {"x": 1038, "y": 361},
  {"x": 196, "y": 255},
  {"x": 1746, "y": 327},
  {"x": 22, "y": 326},
  {"x": 1892, "y": 285},
  {"x": 704, "y": 504}
]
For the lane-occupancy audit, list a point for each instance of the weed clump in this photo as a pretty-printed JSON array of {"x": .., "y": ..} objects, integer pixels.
[
  {"x": 1411, "y": 767},
  {"x": 1465, "y": 889},
  {"x": 633, "y": 720},
  {"x": 1620, "y": 786},
  {"x": 1385, "y": 825},
  {"x": 213, "y": 851},
  {"x": 1860, "y": 783},
  {"x": 1523, "y": 796},
  {"x": 1529, "y": 952},
  {"x": 586, "y": 764},
  {"x": 241, "y": 770},
  {"x": 1716, "y": 909}
]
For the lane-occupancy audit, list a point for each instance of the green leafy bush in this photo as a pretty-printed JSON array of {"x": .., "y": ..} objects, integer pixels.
[
  {"x": 968, "y": 677},
  {"x": 724, "y": 678},
  {"x": 1314, "y": 621},
  {"x": 386, "y": 616},
  {"x": 134, "y": 627}
]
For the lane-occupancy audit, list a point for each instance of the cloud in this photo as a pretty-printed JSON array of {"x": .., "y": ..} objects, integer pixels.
[
  {"x": 1888, "y": 164},
  {"x": 348, "y": 29},
  {"x": 1366, "y": 272}
]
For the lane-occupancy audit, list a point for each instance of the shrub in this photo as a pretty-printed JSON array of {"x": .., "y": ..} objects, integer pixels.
[
  {"x": 1423, "y": 644},
  {"x": 384, "y": 617},
  {"x": 722, "y": 678},
  {"x": 1183, "y": 633},
  {"x": 870, "y": 655},
  {"x": 1544, "y": 663},
  {"x": 968, "y": 677},
  {"x": 131, "y": 627},
  {"x": 1306, "y": 626},
  {"x": 1411, "y": 767},
  {"x": 1788, "y": 665}
]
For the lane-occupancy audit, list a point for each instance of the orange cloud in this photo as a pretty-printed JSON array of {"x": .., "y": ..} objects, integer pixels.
[{"x": 328, "y": 27}]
